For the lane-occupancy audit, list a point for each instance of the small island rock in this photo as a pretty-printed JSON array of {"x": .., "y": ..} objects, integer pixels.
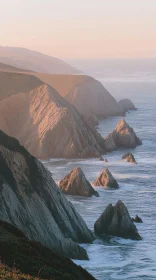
[
  {"x": 75, "y": 183},
  {"x": 126, "y": 105},
  {"x": 122, "y": 137},
  {"x": 137, "y": 219},
  {"x": 106, "y": 179},
  {"x": 129, "y": 158},
  {"x": 116, "y": 221}
]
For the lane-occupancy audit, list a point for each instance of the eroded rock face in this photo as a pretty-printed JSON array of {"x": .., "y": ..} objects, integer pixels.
[
  {"x": 129, "y": 158},
  {"x": 116, "y": 221},
  {"x": 44, "y": 122},
  {"x": 106, "y": 179},
  {"x": 122, "y": 137},
  {"x": 126, "y": 105},
  {"x": 75, "y": 183},
  {"x": 90, "y": 97},
  {"x": 31, "y": 201}
]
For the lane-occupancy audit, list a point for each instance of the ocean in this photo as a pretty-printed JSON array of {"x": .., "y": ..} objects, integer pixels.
[{"x": 117, "y": 258}]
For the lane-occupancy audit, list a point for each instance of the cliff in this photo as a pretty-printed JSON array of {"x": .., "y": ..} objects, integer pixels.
[
  {"x": 31, "y": 201},
  {"x": 90, "y": 97},
  {"x": 45, "y": 123},
  {"x": 33, "y": 259}
]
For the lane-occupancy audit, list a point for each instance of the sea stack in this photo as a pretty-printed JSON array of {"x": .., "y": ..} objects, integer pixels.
[
  {"x": 31, "y": 201},
  {"x": 116, "y": 221},
  {"x": 122, "y": 137},
  {"x": 126, "y": 105},
  {"x": 75, "y": 183},
  {"x": 129, "y": 158},
  {"x": 106, "y": 179}
]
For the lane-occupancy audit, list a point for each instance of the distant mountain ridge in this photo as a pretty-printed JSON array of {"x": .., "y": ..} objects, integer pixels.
[{"x": 35, "y": 61}]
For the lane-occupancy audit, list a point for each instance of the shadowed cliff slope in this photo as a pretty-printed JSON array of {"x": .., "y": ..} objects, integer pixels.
[
  {"x": 31, "y": 201},
  {"x": 30, "y": 257}
]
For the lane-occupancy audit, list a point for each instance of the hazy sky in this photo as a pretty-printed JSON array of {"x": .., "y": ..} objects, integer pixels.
[{"x": 81, "y": 28}]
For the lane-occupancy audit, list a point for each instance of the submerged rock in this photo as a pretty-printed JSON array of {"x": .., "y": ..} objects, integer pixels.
[
  {"x": 129, "y": 158},
  {"x": 103, "y": 159},
  {"x": 75, "y": 183},
  {"x": 116, "y": 221},
  {"x": 31, "y": 257},
  {"x": 106, "y": 179},
  {"x": 122, "y": 137},
  {"x": 31, "y": 201},
  {"x": 137, "y": 219},
  {"x": 126, "y": 105}
]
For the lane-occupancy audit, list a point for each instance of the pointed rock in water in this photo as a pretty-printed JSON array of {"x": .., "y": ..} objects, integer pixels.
[
  {"x": 106, "y": 179},
  {"x": 31, "y": 201},
  {"x": 116, "y": 221},
  {"x": 122, "y": 137},
  {"x": 75, "y": 183},
  {"x": 126, "y": 105},
  {"x": 129, "y": 158},
  {"x": 137, "y": 219}
]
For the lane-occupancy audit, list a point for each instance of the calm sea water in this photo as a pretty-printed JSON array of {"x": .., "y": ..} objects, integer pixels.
[{"x": 118, "y": 258}]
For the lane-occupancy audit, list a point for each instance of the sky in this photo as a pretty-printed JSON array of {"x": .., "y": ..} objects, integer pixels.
[{"x": 81, "y": 28}]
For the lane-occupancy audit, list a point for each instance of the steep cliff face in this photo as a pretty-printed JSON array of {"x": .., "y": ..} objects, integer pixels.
[
  {"x": 31, "y": 201},
  {"x": 90, "y": 97},
  {"x": 45, "y": 123}
]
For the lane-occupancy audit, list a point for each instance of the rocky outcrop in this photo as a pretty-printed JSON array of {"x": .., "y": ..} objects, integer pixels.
[
  {"x": 106, "y": 179},
  {"x": 126, "y": 105},
  {"x": 31, "y": 201},
  {"x": 116, "y": 221},
  {"x": 46, "y": 124},
  {"x": 137, "y": 219},
  {"x": 129, "y": 158},
  {"x": 31, "y": 257},
  {"x": 75, "y": 183},
  {"x": 122, "y": 137},
  {"x": 90, "y": 97}
]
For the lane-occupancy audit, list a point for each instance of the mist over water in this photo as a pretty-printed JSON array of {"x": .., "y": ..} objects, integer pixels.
[{"x": 117, "y": 258}]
